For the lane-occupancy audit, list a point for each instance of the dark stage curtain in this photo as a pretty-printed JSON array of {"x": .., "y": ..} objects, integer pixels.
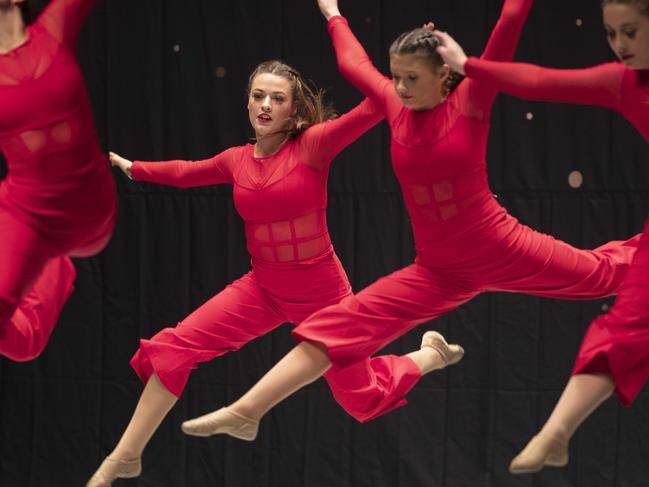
[{"x": 167, "y": 80}]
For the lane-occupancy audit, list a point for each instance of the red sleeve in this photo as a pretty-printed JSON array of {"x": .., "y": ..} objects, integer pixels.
[
  {"x": 355, "y": 65},
  {"x": 63, "y": 19},
  {"x": 322, "y": 142},
  {"x": 187, "y": 174},
  {"x": 599, "y": 85},
  {"x": 501, "y": 46},
  {"x": 502, "y": 43}
]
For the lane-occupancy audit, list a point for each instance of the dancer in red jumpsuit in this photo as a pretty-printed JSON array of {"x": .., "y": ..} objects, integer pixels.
[
  {"x": 58, "y": 199},
  {"x": 466, "y": 242},
  {"x": 614, "y": 355},
  {"x": 280, "y": 191}
]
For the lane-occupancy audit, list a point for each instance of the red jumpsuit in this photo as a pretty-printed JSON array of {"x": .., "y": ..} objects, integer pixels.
[
  {"x": 58, "y": 199},
  {"x": 282, "y": 199},
  {"x": 615, "y": 343},
  {"x": 466, "y": 243}
]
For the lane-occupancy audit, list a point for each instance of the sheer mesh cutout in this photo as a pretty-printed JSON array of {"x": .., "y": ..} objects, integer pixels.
[
  {"x": 34, "y": 140},
  {"x": 301, "y": 238},
  {"x": 29, "y": 61},
  {"x": 265, "y": 253},
  {"x": 420, "y": 194},
  {"x": 261, "y": 233},
  {"x": 449, "y": 211},
  {"x": 58, "y": 136},
  {"x": 285, "y": 253},
  {"x": 443, "y": 191},
  {"x": 282, "y": 231},
  {"x": 62, "y": 133},
  {"x": 309, "y": 224},
  {"x": 18, "y": 69},
  {"x": 428, "y": 198},
  {"x": 312, "y": 248},
  {"x": 7, "y": 78}
]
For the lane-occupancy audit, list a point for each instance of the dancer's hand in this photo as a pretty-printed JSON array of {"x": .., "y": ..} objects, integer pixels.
[
  {"x": 329, "y": 8},
  {"x": 429, "y": 26},
  {"x": 118, "y": 161},
  {"x": 451, "y": 51}
]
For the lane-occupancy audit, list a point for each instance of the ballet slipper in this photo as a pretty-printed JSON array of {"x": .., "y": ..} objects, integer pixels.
[
  {"x": 110, "y": 470},
  {"x": 222, "y": 421},
  {"x": 451, "y": 354},
  {"x": 541, "y": 451}
]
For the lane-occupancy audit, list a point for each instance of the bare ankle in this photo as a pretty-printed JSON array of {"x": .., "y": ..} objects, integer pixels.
[{"x": 427, "y": 360}]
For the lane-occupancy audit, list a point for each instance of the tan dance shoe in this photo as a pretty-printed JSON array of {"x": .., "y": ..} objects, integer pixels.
[
  {"x": 541, "y": 451},
  {"x": 451, "y": 354},
  {"x": 222, "y": 421},
  {"x": 110, "y": 470}
]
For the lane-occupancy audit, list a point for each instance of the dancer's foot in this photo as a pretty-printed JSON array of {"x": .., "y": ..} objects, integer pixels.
[
  {"x": 450, "y": 354},
  {"x": 222, "y": 421},
  {"x": 111, "y": 469},
  {"x": 542, "y": 450}
]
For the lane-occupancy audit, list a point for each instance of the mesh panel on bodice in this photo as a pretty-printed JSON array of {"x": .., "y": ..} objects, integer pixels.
[{"x": 299, "y": 238}]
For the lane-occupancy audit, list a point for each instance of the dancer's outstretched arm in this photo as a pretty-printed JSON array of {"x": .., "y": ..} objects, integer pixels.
[
  {"x": 178, "y": 173},
  {"x": 598, "y": 85},
  {"x": 63, "y": 19},
  {"x": 324, "y": 141},
  {"x": 478, "y": 97},
  {"x": 354, "y": 63}
]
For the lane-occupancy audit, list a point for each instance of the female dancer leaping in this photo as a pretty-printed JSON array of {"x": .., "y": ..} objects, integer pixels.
[
  {"x": 58, "y": 199},
  {"x": 280, "y": 190}
]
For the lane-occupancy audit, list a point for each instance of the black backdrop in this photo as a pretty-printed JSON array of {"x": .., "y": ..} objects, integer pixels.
[{"x": 167, "y": 79}]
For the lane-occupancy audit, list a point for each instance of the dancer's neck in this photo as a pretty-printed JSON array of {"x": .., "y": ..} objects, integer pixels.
[
  {"x": 13, "y": 31},
  {"x": 269, "y": 144}
]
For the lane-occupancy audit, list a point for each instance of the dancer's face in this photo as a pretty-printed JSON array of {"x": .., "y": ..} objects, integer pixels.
[
  {"x": 627, "y": 29},
  {"x": 419, "y": 84},
  {"x": 270, "y": 103}
]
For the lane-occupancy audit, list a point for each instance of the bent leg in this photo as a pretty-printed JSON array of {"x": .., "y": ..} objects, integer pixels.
[
  {"x": 226, "y": 322},
  {"x": 363, "y": 324},
  {"x": 374, "y": 386},
  {"x": 544, "y": 266},
  {"x": 33, "y": 289},
  {"x": 348, "y": 333},
  {"x": 613, "y": 357},
  {"x": 617, "y": 344}
]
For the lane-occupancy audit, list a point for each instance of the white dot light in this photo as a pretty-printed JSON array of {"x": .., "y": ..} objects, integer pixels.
[
  {"x": 605, "y": 307},
  {"x": 368, "y": 20},
  {"x": 220, "y": 72},
  {"x": 575, "y": 179},
  {"x": 579, "y": 22},
  {"x": 529, "y": 115},
  {"x": 176, "y": 47}
]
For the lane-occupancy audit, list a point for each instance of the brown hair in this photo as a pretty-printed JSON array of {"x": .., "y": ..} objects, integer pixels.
[
  {"x": 27, "y": 12},
  {"x": 421, "y": 42},
  {"x": 308, "y": 101},
  {"x": 641, "y": 5}
]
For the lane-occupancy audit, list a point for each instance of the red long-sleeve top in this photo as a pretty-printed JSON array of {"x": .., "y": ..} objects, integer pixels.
[
  {"x": 438, "y": 155},
  {"x": 282, "y": 198},
  {"x": 610, "y": 85},
  {"x": 57, "y": 175}
]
